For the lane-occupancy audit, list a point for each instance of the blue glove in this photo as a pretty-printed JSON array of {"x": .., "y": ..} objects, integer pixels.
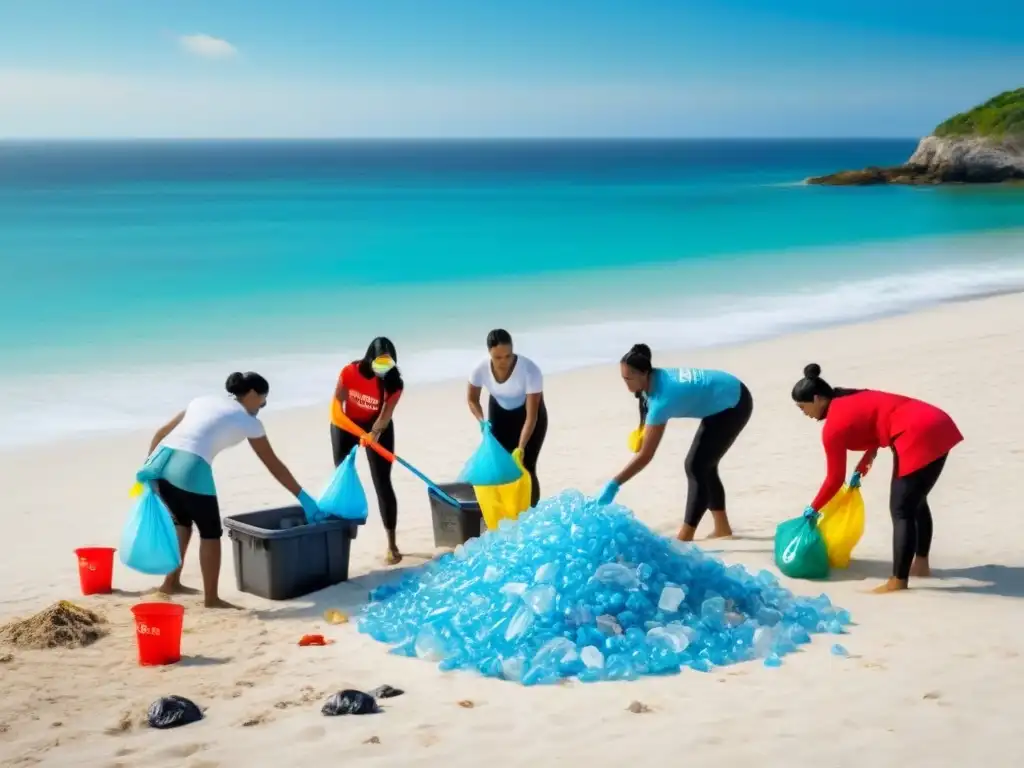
[
  {"x": 810, "y": 514},
  {"x": 608, "y": 493},
  {"x": 309, "y": 507},
  {"x": 855, "y": 480},
  {"x": 484, "y": 425}
]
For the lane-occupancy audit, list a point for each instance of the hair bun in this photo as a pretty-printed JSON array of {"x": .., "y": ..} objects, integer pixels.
[
  {"x": 235, "y": 380},
  {"x": 641, "y": 349},
  {"x": 812, "y": 371}
]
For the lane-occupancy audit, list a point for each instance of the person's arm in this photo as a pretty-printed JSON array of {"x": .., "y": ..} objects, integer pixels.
[
  {"x": 532, "y": 409},
  {"x": 384, "y": 417},
  {"x": 473, "y": 389},
  {"x": 165, "y": 430},
  {"x": 534, "y": 392},
  {"x": 835, "y": 476},
  {"x": 652, "y": 438},
  {"x": 864, "y": 465},
  {"x": 473, "y": 401},
  {"x": 341, "y": 391},
  {"x": 261, "y": 445}
]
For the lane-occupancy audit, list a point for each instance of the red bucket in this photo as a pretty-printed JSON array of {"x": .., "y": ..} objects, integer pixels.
[
  {"x": 158, "y": 632},
  {"x": 95, "y": 569}
]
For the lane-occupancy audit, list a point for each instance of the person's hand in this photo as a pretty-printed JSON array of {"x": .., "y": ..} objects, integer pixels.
[
  {"x": 608, "y": 493},
  {"x": 855, "y": 480},
  {"x": 484, "y": 425},
  {"x": 309, "y": 507},
  {"x": 810, "y": 513},
  {"x": 517, "y": 454},
  {"x": 374, "y": 434}
]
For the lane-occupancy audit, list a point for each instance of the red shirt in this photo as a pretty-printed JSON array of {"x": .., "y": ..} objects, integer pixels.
[
  {"x": 868, "y": 420},
  {"x": 363, "y": 396}
]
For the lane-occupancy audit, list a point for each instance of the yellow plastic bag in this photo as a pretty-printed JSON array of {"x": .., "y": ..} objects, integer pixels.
[
  {"x": 636, "y": 440},
  {"x": 842, "y": 524},
  {"x": 505, "y": 502}
]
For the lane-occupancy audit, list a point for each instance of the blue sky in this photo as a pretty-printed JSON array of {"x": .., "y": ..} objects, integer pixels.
[{"x": 402, "y": 68}]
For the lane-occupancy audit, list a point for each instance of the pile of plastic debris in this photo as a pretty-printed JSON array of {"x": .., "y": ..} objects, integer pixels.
[{"x": 577, "y": 589}]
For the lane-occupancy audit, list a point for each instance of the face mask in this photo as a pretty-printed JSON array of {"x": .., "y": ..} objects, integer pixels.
[{"x": 382, "y": 365}]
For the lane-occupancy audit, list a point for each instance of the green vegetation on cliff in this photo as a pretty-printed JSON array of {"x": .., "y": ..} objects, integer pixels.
[{"x": 1001, "y": 115}]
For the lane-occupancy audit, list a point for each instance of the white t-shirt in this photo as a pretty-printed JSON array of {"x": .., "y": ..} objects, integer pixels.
[
  {"x": 212, "y": 424},
  {"x": 526, "y": 379}
]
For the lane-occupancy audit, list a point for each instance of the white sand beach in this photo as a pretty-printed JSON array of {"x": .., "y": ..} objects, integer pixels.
[{"x": 934, "y": 676}]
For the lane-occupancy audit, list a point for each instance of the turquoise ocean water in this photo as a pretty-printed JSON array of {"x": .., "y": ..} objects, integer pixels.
[{"x": 138, "y": 274}]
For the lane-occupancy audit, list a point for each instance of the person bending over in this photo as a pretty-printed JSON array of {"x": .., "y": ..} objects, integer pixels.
[
  {"x": 721, "y": 402},
  {"x": 184, "y": 449},
  {"x": 920, "y": 437}
]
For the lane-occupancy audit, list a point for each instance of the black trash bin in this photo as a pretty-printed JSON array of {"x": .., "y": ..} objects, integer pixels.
[
  {"x": 279, "y": 556},
  {"x": 455, "y": 525}
]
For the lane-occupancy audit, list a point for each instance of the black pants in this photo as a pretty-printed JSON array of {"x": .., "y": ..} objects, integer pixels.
[
  {"x": 507, "y": 426},
  {"x": 714, "y": 437},
  {"x": 911, "y": 517},
  {"x": 380, "y": 468}
]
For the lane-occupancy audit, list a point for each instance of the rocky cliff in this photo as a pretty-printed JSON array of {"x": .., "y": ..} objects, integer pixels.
[{"x": 982, "y": 146}]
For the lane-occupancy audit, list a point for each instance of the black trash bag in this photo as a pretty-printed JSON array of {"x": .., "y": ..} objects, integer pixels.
[
  {"x": 173, "y": 711},
  {"x": 386, "y": 692},
  {"x": 349, "y": 702}
]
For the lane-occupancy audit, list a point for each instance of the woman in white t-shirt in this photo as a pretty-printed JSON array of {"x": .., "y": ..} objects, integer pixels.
[
  {"x": 515, "y": 407},
  {"x": 180, "y": 463}
]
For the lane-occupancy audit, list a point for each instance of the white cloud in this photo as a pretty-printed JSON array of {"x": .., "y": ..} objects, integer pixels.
[{"x": 208, "y": 47}]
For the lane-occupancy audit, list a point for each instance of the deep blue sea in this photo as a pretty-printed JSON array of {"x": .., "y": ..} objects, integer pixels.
[{"x": 127, "y": 264}]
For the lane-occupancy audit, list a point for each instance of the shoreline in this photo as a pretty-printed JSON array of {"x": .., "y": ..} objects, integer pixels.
[
  {"x": 263, "y": 693},
  {"x": 434, "y": 386},
  {"x": 44, "y": 407}
]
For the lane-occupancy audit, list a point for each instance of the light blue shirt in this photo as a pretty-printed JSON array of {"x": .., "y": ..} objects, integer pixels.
[{"x": 689, "y": 393}]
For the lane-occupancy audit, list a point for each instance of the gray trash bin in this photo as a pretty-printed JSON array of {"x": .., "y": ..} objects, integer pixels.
[
  {"x": 455, "y": 525},
  {"x": 279, "y": 556}
]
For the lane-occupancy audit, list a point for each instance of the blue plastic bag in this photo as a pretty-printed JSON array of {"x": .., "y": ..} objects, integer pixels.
[
  {"x": 149, "y": 543},
  {"x": 344, "y": 496},
  {"x": 490, "y": 464}
]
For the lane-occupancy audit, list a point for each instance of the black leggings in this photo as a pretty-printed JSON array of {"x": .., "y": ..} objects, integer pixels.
[
  {"x": 911, "y": 516},
  {"x": 380, "y": 468},
  {"x": 714, "y": 437},
  {"x": 507, "y": 426}
]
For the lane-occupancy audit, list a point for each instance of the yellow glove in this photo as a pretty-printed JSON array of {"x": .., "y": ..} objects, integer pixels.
[
  {"x": 636, "y": 440},
  {"x": 517, "y": 454},
  {"x": 135, "y": 491}
]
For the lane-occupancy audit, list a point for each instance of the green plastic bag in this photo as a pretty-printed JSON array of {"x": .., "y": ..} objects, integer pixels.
[{"x": 800, "y": 550}]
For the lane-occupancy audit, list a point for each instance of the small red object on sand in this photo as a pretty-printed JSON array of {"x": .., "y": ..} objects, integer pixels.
[{"x": 313, "y": 640}]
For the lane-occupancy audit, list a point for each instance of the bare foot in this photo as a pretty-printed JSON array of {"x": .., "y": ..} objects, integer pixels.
[
  {"x": 920, "y": 568},
  {"x": 177, "y": 589},
  {"x": 393, "y": 557},
  {"x": 892, "y": 585},
  {"x": 722, "y": 529},
  {"x": 686, "y": 533},
  {"x": 221, "y": 603}
]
